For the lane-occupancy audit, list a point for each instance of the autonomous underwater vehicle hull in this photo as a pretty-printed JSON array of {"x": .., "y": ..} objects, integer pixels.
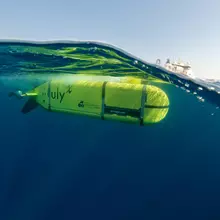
[{"x": 129, "y": 100}]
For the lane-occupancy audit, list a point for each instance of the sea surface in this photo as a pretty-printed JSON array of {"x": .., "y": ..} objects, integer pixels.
[{"x": 61, "y": 166}]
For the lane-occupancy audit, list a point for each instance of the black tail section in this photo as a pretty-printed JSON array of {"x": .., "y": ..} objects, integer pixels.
[{"x": 30, "y": 105}]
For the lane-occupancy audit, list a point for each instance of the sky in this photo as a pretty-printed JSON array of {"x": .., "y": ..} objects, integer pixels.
[{"x": 188, "y": 30}]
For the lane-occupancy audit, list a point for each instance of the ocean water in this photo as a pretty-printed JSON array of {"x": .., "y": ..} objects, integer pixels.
[{"x": 59, "y": 166}]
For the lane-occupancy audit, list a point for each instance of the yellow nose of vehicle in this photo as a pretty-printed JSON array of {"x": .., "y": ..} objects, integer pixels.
[{"x": 156, "y": 106}]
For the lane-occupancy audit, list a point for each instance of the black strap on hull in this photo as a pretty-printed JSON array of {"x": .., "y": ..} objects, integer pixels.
[
  {"x": 49, "y": 96},
  {"x": 103, "y": 100}
]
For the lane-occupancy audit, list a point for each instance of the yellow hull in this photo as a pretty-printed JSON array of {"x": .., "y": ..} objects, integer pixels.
[{"x": 131, "y": 102}]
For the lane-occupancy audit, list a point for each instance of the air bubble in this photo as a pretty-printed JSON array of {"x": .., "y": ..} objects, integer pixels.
[
  {"x": 195, "y": 93},
  {"x": 200, "y": 88},
  {"x": 188, "y": 91},
  {"x": 135, "y": 62},
  {"x": 187, "y": 85},
  {"x": 201, "y": 99},
  {"x": 93, "y": 49},
  {"x": 143, "y": 65},
  {"x": 211, "y": 88}
]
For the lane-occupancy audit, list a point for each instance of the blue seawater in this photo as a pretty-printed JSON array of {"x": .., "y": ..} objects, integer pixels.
[{"x": 58, "y": 166}]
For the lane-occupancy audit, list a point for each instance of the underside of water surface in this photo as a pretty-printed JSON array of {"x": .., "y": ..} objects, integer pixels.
[{"x": 37, "y": 62}]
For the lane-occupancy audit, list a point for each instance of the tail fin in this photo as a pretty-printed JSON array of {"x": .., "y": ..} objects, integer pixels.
[{"x": 30, "y": 105}]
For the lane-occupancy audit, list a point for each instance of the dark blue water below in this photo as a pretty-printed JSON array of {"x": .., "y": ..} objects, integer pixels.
[{"x": 56, "y": 166}]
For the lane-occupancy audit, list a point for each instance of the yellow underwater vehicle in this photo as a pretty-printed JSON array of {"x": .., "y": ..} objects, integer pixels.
[{"x": 127, "y": 100}]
